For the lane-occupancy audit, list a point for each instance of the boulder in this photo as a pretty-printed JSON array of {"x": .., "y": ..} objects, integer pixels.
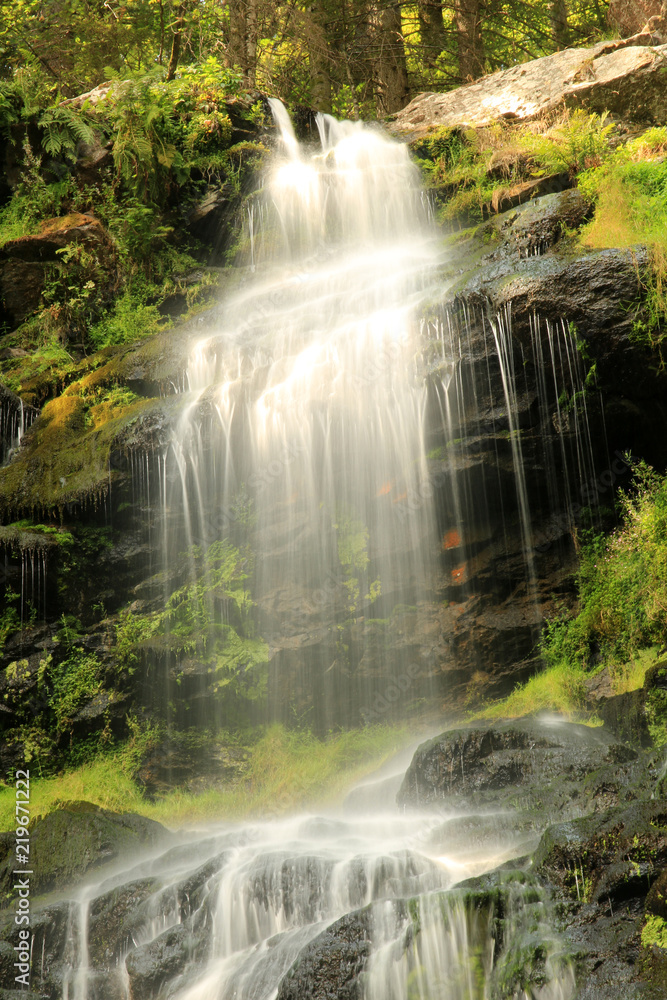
[
  {"x": 542, "y": 762},
  {"x": 152, "y": 965},
  {"x": 332, "y": 964},
  {"x": 109, "y": 913},
  {"x": 630, "y": 82},
  {"x": 69, "y": 843},
  {"x": 23, "y": 261},
  {"x": 614, "y": 856}
]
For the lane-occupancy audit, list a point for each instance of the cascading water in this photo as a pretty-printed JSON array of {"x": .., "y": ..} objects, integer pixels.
[
  {"x": 304, "y": 434},
  {"x": 240, "y": 912}
]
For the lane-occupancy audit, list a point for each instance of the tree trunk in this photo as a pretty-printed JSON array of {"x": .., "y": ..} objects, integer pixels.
[
  {"x": 176, "y": 42},
  {"x": 237, "y": 52},
  {"x": 392, "y": 73},
  {"x": 469, "y": 39},
  {"x": 319, "y": 60},
  {"x": 431, "y": 30},
  {"x": 560, "y": 30},
  {"x": 251, "y": 43}
]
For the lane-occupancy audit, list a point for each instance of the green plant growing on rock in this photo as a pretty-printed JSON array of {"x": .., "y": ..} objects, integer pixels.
[
  {"x": 10, "y": 619},
  {"x": 629, "y": 192},
  {"x": 75, "y": 681},
  {"x": 352, "y": 541},
  {"x": 580, "y": 141},
  {"x": 622, "y": 582},
  {"x": 654, "y": 932}
]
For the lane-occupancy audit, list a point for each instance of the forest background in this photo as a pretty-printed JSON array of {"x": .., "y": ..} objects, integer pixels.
[{"x": 354, "y": 58}]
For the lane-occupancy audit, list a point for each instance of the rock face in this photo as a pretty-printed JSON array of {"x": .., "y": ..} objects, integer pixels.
[
  {"x": 330, "y": 966},
  {"x": 629, "y": 82}
]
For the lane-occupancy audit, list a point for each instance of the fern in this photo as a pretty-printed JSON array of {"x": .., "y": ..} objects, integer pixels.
[
  {"x": 143, "y": 155},
  {"x": 63, "y": 129}
]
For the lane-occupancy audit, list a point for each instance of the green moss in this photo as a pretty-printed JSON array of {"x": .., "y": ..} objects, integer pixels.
[
  {"x": 622, "y": 584},
  {"x": 656, "y": 714},
  {"x": 630, "y": 197},
  {"x": 654, "y": 932},
  {"x": 66, "y": 455}
]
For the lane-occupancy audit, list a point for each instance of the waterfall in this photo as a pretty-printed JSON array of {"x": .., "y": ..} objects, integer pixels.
[
  {"x": 298, "y": 505},
  {"x": 237, "y": 911},
  {"x": 301, "y": 442}
]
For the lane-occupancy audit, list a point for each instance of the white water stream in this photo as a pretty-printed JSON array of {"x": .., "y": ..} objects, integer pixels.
[{"x": 244, "y": 902}]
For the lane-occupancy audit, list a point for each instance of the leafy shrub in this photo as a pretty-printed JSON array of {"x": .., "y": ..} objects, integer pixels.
[
  {"x": 622, "y": 584},
  {"x": 63, "y": 128},
  {"x": 74, "y": 682}
]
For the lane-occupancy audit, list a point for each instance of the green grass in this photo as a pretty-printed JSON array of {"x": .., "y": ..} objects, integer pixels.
[
  {"x": 557, "y": 689},
  {"x": 630, "y": 196},
  {"x": 287, "y": 770},
  {"x": 476, "y": 169}
]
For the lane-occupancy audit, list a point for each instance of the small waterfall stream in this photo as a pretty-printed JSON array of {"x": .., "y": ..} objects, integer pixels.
[{"x": 235, "y": 910}]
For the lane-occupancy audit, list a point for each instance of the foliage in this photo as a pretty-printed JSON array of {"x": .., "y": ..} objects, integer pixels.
[
  {"x": 10, "y": 620},
  {"x": 474, "y": 169},
  {"x": 622, "y": 583},
  {"x": 580, "y": 141},
  {"x": 130, "y": 320},
  {"x": 33, "y": 200},
  {"x": 352, "y": 539},
  {"x": 73, "y": 683},
  {"x": 557, "y": 689},
  {"x": 654, "y": 932},
  {"x": 71, "y": 46},
  {"x": 62, "y": 129},
  {"x": 622, "y": 617}
]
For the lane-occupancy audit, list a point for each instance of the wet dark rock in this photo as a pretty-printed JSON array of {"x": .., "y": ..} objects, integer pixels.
[
  {"x": 540, "y": 762},
  {"x": 70, "y": 842},
  {"x": 107, "y": 932},
  {"x": 625, "y": 715},
  {"x": 195, "y": 890},
  {"x": 151, "y": 966},
  {"x": 332, "y": 964},
  {"x": 49, "y": 929},
  {"x": 609, "y": 870},
  {"x": 615, "y": 855}
]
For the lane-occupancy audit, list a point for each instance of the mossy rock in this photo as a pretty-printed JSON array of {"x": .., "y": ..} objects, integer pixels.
[
  {"x": 67, "y": 452},
  {"x": 613, "y": 856},
  {"x": 70, "y": 842}
]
